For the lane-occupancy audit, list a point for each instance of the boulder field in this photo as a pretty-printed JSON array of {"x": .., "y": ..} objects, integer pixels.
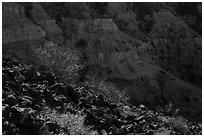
[{"x": 34, "y": 102}]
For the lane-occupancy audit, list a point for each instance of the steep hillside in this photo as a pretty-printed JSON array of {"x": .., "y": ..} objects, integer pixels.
[
  {"x": 18, "y": 32},
  {"x": 148, "y": 53},
  {"x": 112, "y": 55},
  {"x": 34, "y": 102},
  {"x": 167, "y": 27}
]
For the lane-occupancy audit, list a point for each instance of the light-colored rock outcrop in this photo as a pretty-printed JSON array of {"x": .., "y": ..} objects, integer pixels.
[
  {"x": 102, "y": 25},
  {"x": 92, "y": 26}
]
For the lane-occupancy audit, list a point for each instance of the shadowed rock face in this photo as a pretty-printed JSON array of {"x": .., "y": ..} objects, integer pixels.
[
  {"x": 16, "y": 27},
  {"x": 53, "y": 32},
  {"x": 177, "y": 47},
  {"x": 20, "y": 35},
  {"x": 111, "y": 55}
]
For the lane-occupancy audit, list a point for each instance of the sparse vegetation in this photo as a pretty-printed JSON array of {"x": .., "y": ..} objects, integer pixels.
[
  {"x": 108, "y": 89},
  {"x": 72, "y": 124},
  {"x": 60, "y": 59},
  {"x": 41, "y": 105},
  {"x": 102, "y": 87}
]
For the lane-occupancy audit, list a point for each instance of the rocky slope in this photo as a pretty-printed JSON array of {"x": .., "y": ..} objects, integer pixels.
[
  {"x": 112, "y": 55},
  {"x": 150, "y": 54},
  {"x": 29, "y": 94}
]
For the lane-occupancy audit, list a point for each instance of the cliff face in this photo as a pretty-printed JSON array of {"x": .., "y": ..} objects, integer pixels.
[
  {"x": 20, "y": 35},
  {"x": 177, "y": 46},
  {"x": 124, "y": 57},
  {"x": 16, "y": 27},
  {"x": 40, "y": 17}
]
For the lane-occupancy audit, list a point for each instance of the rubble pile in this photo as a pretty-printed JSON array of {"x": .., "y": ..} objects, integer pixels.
[{"x": 27, "y": 90}]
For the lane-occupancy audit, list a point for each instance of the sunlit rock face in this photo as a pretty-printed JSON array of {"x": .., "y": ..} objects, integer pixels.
[
  {"x": 40, "y": 17},
  {"x": 112, "y": 55}
]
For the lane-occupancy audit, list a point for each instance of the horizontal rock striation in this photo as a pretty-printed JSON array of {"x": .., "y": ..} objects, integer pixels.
[
  {"x": 112, "y": 56},
  {"x": 102, "y": 25}
]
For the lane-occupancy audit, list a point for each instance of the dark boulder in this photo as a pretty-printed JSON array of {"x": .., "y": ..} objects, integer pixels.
[
  {"x": 11, "y": 100},
  {"x": 26, "y": 101},
  {"x": 30, "y": 73},
  {"x": 53, "y": 127},
  {"x": 9, "y": 128},
  {"x": 70, "y": 93},
  {"x": 5, "y": 111}
]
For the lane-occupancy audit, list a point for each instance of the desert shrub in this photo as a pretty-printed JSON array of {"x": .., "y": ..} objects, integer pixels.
[
  {"x": 168, "y": 26},
  {"x": 69, "y": 123},
  {"x": 109, "y": 90},
  {"x": 179, "y": 123},
  {"x": 63, "y": 60}
]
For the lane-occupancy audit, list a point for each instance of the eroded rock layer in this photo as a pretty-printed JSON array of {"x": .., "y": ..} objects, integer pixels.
[
  {"x": 117, "y": 55},
  {"x": 40, "y": 17},
  {"x": 16, "y": 27},
  {"x": 111, "y": 55}
]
